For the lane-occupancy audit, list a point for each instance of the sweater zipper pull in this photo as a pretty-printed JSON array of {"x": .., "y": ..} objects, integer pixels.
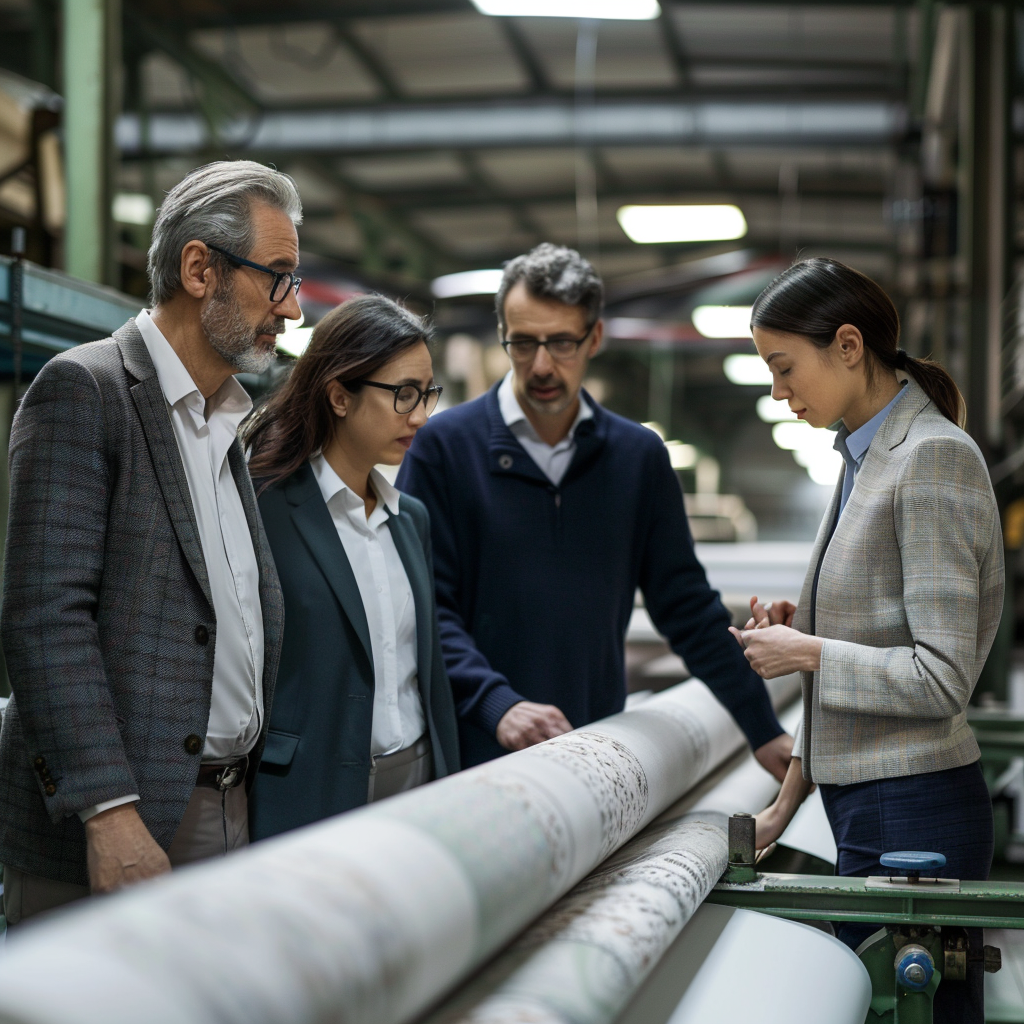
[{"x": 558, "y": 499}]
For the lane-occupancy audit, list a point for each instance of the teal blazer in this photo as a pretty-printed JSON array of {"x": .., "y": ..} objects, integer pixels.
[{"x": 316, "y": 762}]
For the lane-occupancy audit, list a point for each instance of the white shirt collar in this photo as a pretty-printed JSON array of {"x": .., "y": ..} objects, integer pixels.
[
  {"x": 177, "y": 385},
  {"x": 331, "y": 486},
  {"x": 513, "y": 415}
]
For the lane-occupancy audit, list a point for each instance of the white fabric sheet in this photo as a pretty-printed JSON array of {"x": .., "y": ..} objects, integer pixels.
[{"x": 370, "y": 917}]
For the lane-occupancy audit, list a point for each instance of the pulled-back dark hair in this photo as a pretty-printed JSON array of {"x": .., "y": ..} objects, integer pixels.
[
  {"x": 351, "y": 342},
  {"x": 815, "y": 297}
]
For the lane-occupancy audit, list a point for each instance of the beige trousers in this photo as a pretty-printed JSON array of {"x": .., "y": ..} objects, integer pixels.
[{"x": 215, "y": 823}]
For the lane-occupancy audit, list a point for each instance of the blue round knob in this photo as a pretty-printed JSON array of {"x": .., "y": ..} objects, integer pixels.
[
  {"x": 913, "y": 861},
  {"x": 914, "y": 967}
]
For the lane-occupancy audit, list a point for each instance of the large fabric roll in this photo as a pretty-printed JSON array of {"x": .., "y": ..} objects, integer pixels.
[
  {"x": 584, "y": 959},
  {"x": 370, "y": 917}
]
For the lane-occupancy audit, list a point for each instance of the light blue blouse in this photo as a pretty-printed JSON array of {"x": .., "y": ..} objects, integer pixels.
[{"x": 853, "y": 447}]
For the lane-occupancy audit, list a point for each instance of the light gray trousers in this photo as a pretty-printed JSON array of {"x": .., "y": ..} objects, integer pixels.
[{"x": 215, "y": 823}]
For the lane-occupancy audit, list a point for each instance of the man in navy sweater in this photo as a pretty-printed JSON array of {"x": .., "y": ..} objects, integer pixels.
[{"x": 547, "y": 513}]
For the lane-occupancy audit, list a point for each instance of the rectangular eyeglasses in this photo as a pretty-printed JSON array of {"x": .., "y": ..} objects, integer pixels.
[{"x": 283, "y": 282}]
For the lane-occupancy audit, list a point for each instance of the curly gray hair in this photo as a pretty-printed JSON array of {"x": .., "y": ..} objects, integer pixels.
[
  {"x": 214, "y": 204},
  {"x": 553, "y": 272}
]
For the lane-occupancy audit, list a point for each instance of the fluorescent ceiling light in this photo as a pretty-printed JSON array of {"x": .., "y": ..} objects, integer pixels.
[
  {"x": 132, "y": 208},
  {"x": 801, "y": 436},
  {"x": 823, "y": 467},
  {"x": 619, "y": 10},
  {"x": 771, "y": 411},
  {"x": 722, "y": 321},
  {"x": 295, "y": 339},
  {"x": 646, "y": 224},
  {"x": 469, "y": 282},
  {"x": 681, "y": 456},
  {"x": 811, "y": 448},
  {"x": 744, "y": 369}
]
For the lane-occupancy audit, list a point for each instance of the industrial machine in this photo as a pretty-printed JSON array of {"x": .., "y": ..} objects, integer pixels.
[{"x": 920, "y": 943}]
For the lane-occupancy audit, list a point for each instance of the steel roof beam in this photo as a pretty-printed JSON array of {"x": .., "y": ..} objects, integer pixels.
[
  {"x": 446, "y": 199},
  {"x": 542, "y": 123}
]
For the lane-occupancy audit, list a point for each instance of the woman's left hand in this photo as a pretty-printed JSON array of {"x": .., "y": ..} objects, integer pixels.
[{"x": 778, "y": 650}]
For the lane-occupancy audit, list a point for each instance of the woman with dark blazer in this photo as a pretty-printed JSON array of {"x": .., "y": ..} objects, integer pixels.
[
  {"x": 901, "y": 602},
  {"x": 362, "y": 708}
]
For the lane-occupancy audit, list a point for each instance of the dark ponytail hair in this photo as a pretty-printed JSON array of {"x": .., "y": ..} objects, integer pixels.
[
  {"x": 353, "y": 341},
  {"x": 815, "y": 297}
]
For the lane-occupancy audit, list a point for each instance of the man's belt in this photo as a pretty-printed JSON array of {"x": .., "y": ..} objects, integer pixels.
[{"x": 223, "y": 776}]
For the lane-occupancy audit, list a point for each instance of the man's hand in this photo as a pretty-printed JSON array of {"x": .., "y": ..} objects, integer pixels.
[
  {"x": 774, "y": 756},
  {"x": 120, "y": 850},
  {"x": 526, "y": 723}
]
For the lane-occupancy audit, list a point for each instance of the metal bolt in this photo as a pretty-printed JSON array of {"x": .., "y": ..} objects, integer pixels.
[
  {"x": 993, "y": 959},
  {"x": 916, "y": 973}
]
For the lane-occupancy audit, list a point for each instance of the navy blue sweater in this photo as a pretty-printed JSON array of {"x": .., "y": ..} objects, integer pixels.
[{"x": 535, "y": 582}]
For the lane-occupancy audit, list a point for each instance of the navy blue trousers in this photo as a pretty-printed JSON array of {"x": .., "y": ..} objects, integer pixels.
[{"x": 947, "y": 812}]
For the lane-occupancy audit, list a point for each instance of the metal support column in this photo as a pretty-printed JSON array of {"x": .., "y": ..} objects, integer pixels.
[
  {"x": 92, "y": 65},
  {"x": 661, "y": 381},
  {"x": 990, "y": 233}
]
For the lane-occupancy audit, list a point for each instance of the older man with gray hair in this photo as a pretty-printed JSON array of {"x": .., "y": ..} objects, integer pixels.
[
  {"x": 547, "y": 512},
  {"x": 142, "y": 613}
]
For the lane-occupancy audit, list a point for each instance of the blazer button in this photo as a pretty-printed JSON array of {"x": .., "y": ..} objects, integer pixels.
[
  {"x": 202, "y": 636},
  {"x": 40, "y": 763},
  {"x": 51, "y": 789},
  {"x": 506, "y": 461},
  {"x": 193, "y": 744}
]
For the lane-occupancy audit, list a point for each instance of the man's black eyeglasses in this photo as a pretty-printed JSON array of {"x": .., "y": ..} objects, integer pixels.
[
  {"x": 524, "y": 350},
  {"x": 283, "y": 283},
  {"x": 408, "y": 396}
]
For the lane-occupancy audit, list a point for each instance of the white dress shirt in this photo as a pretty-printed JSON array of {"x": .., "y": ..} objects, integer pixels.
[
  {"x": 553, "y": 460},
  {"x": 205, "y": 430},
  {"x": 398, "y": 719}
]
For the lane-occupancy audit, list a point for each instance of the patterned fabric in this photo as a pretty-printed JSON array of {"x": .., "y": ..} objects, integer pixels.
[
  {"x": 908, "y": 597},
  {"x": 107, "y": 625}
]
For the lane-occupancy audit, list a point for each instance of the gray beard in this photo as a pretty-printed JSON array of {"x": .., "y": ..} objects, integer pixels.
[
  {"x": 549, "y": 408},
  {"x": 233, "y": 338}
]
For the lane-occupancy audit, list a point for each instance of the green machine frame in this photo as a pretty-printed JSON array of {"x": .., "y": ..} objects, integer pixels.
[{"x": 920, "y": 941}]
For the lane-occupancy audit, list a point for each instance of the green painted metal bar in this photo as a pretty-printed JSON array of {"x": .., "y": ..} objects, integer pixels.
[
  {"x": 984, "y": 720},
  {"x": 1000, "y": 744},
  {"x": 815, "y": 898},
  {"x": 90, "y": 57}
]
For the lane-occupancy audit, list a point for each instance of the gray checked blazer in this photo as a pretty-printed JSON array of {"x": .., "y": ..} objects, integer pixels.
[
  {"x": 107, "y": 622},
  {"x": 907, "y": 595}
]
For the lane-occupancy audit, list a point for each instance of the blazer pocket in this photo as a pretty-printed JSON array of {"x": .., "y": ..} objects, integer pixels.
[{"x": 280, "y": 748}]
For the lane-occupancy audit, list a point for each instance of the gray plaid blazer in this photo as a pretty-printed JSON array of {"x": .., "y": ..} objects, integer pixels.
[
  {"x": 907, "y": 592},
  {"x": 104, "y": 593}
]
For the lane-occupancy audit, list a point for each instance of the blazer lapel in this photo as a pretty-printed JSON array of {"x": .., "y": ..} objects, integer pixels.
[
  {"x": 803, "y": 620},
  {"x": 411, "y": 552},
  {"x": 163, "y": 449},
  {"x": 313, "y": 520}
]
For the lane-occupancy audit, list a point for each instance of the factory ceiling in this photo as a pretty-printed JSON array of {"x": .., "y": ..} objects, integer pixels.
[{"x": 428, "y": 138}]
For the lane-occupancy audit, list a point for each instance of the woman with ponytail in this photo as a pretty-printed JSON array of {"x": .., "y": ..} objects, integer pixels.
[
  {"x": 362, "y": 708},
  {"x": 901, "y": 601}
]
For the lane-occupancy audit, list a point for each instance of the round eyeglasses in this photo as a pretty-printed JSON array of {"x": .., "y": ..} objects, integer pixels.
[
  {"x": 560, "y": 348},
  {"x": 408, "y": 396},
  {"x": 282, "y": 284}
]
